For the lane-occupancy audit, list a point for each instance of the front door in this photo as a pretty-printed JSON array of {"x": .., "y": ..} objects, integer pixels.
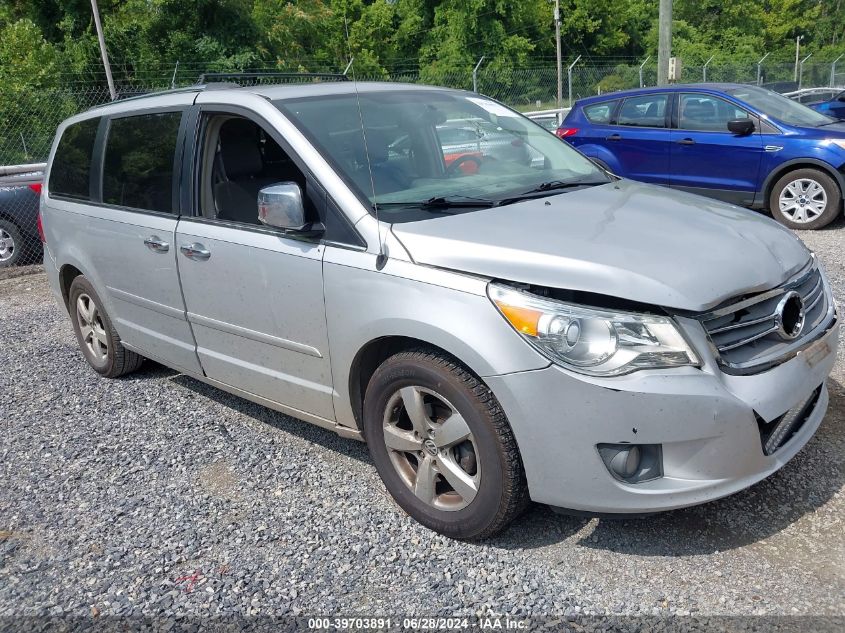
[
  {"x": 254, "y": 296},
  {"x": 708, "y": 159}
]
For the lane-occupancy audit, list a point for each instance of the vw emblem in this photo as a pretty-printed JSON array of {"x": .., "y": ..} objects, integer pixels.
[
  {"x": 430, "y": 447},
  {"x": 789, "y": 316}
]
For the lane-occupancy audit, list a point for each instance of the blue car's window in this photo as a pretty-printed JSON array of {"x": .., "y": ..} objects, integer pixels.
[
  {"x": 706, "y": 113},
  {"x": 644, "y": 111},
  {"x": 600, "y": 112},
  {"x": 779, "y": 107}
]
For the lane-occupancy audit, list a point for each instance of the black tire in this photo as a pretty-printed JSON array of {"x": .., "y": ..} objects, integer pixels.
[
  {"x": 116, "y": 360},
  {"x": 832, "y": 194},
  {"x": 502, "y": 491},
  {"x": 11, "y": 254}
]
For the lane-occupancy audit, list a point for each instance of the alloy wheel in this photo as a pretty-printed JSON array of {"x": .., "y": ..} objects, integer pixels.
[
  {"x": 7, "y": 246},
  {"x": 432, "y": 448},
  {"x": 91, "y": 327},
  {"x": 802, "y": 200}
]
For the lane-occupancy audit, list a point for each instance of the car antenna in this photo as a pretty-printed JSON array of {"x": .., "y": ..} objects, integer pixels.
[{"x": 381, "y": 258}]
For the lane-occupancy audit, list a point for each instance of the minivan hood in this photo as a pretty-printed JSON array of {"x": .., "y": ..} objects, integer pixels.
[{"x": 624, "y": 239}]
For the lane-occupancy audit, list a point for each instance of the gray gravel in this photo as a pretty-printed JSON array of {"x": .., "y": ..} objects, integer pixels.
[{"x": 156, "y": 495}]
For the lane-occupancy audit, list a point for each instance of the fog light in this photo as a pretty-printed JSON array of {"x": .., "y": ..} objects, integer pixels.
[{"x": 632, "y": 463}]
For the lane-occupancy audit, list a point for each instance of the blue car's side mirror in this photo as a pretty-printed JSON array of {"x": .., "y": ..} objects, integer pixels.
[{"x": 741, "y": 127}]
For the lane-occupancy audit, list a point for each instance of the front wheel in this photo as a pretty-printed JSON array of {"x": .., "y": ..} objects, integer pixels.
[
  {"x": 805, "y": 199},
  {"x": 442, "y": 445}
]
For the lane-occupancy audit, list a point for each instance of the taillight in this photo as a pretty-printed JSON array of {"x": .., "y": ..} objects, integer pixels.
[
  {"x": 39, "y": 223},
  {"x": 563, "y": 132},
  {"x": 36, "y": 187}
]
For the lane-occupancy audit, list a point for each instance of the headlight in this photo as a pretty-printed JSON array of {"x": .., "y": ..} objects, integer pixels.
[{"x": 591, "y": 341}]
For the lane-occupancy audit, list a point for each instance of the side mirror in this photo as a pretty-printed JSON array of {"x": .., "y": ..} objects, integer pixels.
[
  {"x": 741, "y": 127},
  {"x": 280, "y": 206},
  {"x": 841, "y": 98}
]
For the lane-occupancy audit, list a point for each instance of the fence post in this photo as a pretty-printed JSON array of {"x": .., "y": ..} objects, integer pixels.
[
  {"x": 760, "y": 69},
  {"x": 569, "y": 78},
  {"x": 833, "y": 71},
  {"x": 641, "y": 70},
  {"x": 348, "y": 66},
  {"x": 801, "y": 70},
  {"x": 704, "y": 70},
  {"x": 475, "y": 75},
  {"x": 173, "y": 78}
]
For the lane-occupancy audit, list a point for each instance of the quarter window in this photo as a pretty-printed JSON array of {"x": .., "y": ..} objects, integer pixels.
[
  {"x": 704, "y": 113},
  {"x": 71, "y": 170},
  {"x": 138, "y": 165},
  {"x": 600, "y": 112},
  {"x": 644, "y": 111}
]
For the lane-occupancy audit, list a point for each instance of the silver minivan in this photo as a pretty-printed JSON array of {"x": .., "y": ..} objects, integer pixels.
[{"x": 495, "y": 326}]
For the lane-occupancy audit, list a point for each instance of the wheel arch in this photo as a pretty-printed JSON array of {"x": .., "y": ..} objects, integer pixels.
[
  {"x": 67, "y": 273},
  {"x": 796, "y": 164},
  {"x": 378, "y": 350}
]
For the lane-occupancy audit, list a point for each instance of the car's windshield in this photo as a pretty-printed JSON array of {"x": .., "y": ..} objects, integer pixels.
[
  {"x": 436, "y": 151},
  {"x": 779, "y": 107}
]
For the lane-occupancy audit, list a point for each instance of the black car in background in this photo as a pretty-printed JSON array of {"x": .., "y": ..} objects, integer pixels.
[{"x": 19, "y": 241}]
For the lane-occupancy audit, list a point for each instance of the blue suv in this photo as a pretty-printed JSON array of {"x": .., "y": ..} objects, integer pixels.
[
  {"x": 834, "y": 107},
  {"x": 742, "y": 144}
]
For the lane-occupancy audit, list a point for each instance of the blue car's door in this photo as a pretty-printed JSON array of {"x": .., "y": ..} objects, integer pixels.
[
  {"x": 705, "y": 157},
  {"x": 639, "y": 138}
]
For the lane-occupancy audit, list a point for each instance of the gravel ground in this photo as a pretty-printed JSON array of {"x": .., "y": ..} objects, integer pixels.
[{"x": 156, "y": 495}]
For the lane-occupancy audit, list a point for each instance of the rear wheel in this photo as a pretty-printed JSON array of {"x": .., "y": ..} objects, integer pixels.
[
  {"x": 443, "y": 446},
  {"x": 805, "y": 199},
  {"x": 11, "y": 244},
  {"x": 98, "y": 340}
]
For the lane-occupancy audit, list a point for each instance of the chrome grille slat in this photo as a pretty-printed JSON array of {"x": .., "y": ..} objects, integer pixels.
[
  {"x": 735, "y": 326},
  {"x": 745, "y": 341}
]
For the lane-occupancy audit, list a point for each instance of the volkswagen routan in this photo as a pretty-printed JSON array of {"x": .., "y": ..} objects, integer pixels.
[{"x": 498, "y": 326}]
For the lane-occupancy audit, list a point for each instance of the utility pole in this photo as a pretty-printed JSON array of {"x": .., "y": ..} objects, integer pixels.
[
  {"x": 559, "y": 62},
  {"x": 664, "y": 42},
  {"x": 103, "y": 51},
  {"x": 798, "y": 39}
]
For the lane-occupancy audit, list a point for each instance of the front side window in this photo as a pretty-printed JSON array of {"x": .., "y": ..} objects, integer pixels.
[
  {"x": 239, "y": 158},
  {"x": 705, "y": 113},
  {"x": 71, "y": 170},
  {"x": 419, "y": 146},
  {"x": 644, "y": 111},
  {"x": 139, "y": 161},
  {"x": 600, "y": 112}
]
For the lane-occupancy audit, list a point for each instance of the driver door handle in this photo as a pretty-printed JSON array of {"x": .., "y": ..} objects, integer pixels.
[
  {"x": 195, "y": 251},
  {"x": 156, "y": 244},
  {"x": 686, "y": 141},
  {"x": 614, "y": 137}
]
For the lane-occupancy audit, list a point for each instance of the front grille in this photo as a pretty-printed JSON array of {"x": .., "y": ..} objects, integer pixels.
[
  {"x": 746, "y": 333},
  {"x": 779, "y": 431}
]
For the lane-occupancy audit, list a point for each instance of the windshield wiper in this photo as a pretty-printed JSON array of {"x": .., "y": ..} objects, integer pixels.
[
  {"x": 550, "y": 186},
  {"x": 443, "y": 203}
]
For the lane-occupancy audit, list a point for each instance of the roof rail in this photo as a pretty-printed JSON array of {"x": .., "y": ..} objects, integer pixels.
[
  {"x": 255, "y": 78},
  {"x": 155, "y": 93}
]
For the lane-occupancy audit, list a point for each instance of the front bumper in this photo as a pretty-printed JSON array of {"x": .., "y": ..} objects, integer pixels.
[{"x": 706, "y": 422}]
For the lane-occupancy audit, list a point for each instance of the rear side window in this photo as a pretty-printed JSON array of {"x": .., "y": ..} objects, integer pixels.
[
  {"x": 138, "y": 165},
  {"x": 600, "y": 112},
  {"x": 71, "y": 170},
  {"x": 644, "y": 111}
]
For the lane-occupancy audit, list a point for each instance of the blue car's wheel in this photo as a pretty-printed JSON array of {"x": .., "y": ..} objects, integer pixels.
[{"x": 805, "y": 199}]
